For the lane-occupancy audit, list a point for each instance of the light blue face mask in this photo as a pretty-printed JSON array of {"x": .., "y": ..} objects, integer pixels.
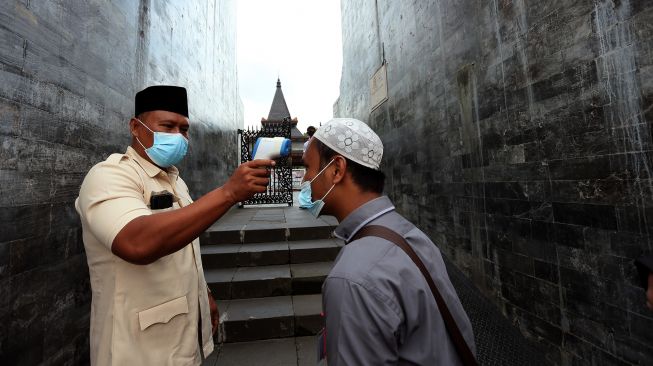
[
  {"x": 306, "y": 195},
  {"x": 168, "y": 148}
]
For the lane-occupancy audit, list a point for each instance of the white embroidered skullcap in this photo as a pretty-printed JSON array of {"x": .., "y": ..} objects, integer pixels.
[{"x": 352, "y": 139}]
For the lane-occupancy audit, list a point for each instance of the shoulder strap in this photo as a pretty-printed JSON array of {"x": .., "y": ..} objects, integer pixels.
[
  {"x": 464, "y": 352},
  {"x": 115, "y": 158}
]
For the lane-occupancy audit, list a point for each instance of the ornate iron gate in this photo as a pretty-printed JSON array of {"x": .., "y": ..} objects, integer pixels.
[{"x": 280, "y": 188}]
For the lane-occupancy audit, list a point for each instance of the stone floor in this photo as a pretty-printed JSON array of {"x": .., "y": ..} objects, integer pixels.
[
  {"x": 300, "y": 351},
  {"x": 270, "y": 217}
]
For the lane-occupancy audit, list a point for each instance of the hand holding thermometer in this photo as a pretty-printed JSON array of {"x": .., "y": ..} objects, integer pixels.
[{"x": 271, "y": 148}]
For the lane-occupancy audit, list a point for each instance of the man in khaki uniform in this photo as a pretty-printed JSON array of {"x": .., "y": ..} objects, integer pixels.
[{"x": 151, "y": 304}]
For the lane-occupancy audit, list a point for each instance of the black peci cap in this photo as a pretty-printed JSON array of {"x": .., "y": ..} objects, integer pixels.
[{"x": 162, "y": 98}]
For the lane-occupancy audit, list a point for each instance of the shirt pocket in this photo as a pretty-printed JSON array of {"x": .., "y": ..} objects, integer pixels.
[{"x": 163, "y": 313}]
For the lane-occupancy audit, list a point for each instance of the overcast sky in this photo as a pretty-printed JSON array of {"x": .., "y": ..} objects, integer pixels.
[{"x": 297, "y": 40}]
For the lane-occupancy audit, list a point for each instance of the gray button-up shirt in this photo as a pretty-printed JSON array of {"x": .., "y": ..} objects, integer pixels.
[{"x": 379, "y": 309}]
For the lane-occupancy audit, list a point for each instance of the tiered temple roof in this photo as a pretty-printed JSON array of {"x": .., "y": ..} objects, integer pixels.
[{"x": 279, "y": 111}]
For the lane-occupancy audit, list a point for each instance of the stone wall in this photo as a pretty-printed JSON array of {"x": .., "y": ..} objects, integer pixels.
[
  {"x": 518, "y": 135},
  {"x": 68, "y": 74}
]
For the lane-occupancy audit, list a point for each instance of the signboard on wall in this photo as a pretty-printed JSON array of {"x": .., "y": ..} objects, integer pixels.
[{"x": 378, "y": 87}]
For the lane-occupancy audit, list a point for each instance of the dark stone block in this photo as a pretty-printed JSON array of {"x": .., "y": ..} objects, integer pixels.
[
  {"x": 582, "y": 283},
  {"x": 542, "y": 328},
  {"x": 510, "y": 190},
  {"x": 641, "y": 327},
  {"x": 542, "y": 231},
  {"x": 4, "y": 260},
  {"x": 629, "y": 245},
  {"x": 515, "y": 262},
  {"x": 600, "y": 216},
  {"x": 24, "y": 221},
  {"x": 580, "y": 168},
  {"x": 66, "y": 336},
  {"x": 587, "y": 354},
  {"x": 569, "y": 235},
  {"x": 588, "y": 330},
  {"x": 633, "y": 352},
  {"x": 545, "y": 271},
  {"x": 631, "y": 165},
  {"x": 508, "y": 207},
  {"x": 540, "y": 250},
  {"x": 632, "y": 219}
]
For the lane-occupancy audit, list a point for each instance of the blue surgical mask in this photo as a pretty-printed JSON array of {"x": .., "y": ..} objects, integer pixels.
[
  {"x": 306, "y": 196},
  {"x": 168, "y": 148}
]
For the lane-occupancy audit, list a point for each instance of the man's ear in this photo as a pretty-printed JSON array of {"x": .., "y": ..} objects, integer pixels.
[
  {"x": 132, "y": 126},
  {"x": 340, "y": 170}
]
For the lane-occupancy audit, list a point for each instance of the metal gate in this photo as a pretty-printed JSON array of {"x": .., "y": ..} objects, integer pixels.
[{"x": 279, "y": 190}]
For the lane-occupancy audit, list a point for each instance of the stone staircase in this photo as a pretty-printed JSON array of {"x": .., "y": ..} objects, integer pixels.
[
  {"x": 267, "y": 278},
  {"x": 266, "y": 267}
]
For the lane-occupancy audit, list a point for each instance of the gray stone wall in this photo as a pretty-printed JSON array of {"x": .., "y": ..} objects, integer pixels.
[
  {"x": 518, "y": 135},
  {"x": 68, "y": 74}
]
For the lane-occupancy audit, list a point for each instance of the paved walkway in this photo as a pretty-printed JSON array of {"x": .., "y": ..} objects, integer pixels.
[{"x": 270, "y": 217}]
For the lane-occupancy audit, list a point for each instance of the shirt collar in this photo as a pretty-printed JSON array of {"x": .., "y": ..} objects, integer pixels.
[
  {"x": 151, "y": 169},
  {"x": 362, "y": 216}
]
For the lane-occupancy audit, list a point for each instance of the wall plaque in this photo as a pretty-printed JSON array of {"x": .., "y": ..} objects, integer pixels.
[{"x": 378, "y": 87}]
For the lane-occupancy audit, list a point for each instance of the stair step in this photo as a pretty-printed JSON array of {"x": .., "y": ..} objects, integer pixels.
[
  {"x": 258, "y": 233},
  {"x": 299, "y": 351},
  {"x": 307, "y": 251},
  {"x": 267, "y": 281},
  {"x": 307, "y": 278},
  {"x": 263, "y": 254},
  {"x": 271, "y": 317}
]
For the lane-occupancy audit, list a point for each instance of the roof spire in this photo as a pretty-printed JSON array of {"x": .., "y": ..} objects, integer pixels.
[{"x": 279, "y": 109}]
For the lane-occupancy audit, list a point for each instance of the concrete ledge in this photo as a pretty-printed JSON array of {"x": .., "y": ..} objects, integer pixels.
[
  {"x": 210, "y": 237},
  {"x": 298, "y": 351},
  {"x": 264, "y": 235},
  {"x": 307, "y": 278},
  {"x": 256, "y": 319},
  {"x": 274, "y": 352},
  {"x": 267, "y": 281},
  {"x": 313, "y": 251},
  {"x": 263, "y": 254},
  {"x": 310, "y": 233},
  {"x": 220, "y": 256},
  {"x": 258, "y": 329},
  {"x": 308, "y": 318},
  {"x": 266, "y": 254}
]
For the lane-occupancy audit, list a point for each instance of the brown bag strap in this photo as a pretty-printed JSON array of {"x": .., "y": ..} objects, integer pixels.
[{"x": 466, "y": 355}]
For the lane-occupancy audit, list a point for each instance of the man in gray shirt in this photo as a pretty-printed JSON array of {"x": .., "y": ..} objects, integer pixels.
[{"x": 378, "y": 306}]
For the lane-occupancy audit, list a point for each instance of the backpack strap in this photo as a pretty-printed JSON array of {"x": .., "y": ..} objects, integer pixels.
[{"x": 462, "y": 348}]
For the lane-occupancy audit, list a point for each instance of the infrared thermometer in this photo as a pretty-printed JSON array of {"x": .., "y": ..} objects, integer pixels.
[{"x": 271, "y": 148}]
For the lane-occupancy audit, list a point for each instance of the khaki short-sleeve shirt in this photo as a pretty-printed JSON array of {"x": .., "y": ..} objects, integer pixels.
[{"x": 140, "y": 314}]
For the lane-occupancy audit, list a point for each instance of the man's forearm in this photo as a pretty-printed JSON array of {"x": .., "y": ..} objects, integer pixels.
[{"x": 148, "y": 238}]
